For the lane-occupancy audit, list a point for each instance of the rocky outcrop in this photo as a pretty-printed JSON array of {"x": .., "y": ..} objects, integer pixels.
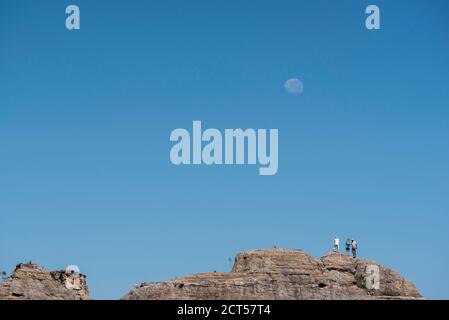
[
  {"x": 285, "y": 274},
  {"x": 258, "y": 274},
  {"x": 30, "y": 282}
]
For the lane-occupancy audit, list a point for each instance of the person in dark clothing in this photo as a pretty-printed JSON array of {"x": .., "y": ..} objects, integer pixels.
[{"x": 348, "y": 244}]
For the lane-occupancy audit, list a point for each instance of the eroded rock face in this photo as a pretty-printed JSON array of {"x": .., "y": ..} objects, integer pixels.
[
  {"x": 30, "y": 282},
  {"x": 284, "y": 274}
]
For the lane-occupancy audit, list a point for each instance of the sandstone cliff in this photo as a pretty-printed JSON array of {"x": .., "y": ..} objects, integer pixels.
[
  {"x": 30, "y": 282},
  {"x": 258, "y": 274},
  {"x": 284, "y": 274}
]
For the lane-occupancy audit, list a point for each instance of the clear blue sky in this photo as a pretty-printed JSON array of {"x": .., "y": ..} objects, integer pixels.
[{"x": 85, "y": 119}]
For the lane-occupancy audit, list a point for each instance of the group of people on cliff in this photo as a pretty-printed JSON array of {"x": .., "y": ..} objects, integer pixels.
[{"x": 350, "y": 246}]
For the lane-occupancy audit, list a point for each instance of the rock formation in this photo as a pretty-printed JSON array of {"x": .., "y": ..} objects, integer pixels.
[
  {"x": 258, "y": 274},
  {"x": 30, "y": 282},
  {"x": 285, "y": 274}
]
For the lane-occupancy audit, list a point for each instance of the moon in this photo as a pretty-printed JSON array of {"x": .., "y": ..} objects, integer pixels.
[{"x": 294, "y": 86}]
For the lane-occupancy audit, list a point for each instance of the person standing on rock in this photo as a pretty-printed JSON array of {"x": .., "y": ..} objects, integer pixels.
[
  {"x": 348, "y": 245},
  {"x": 354, "y": 248},
  {"x": 336, "y": 244}
]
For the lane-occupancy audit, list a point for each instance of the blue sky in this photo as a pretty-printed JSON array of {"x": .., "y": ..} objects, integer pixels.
[{"x": 85, "y": 119}]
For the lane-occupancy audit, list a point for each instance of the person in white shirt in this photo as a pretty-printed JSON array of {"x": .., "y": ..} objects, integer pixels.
[
  {"x": 354, "y": 248},
  {"x": 336, "y": 244}
]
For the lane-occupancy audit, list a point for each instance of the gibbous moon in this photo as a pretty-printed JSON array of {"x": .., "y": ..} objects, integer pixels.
[{"x": 294, "y": 86}]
